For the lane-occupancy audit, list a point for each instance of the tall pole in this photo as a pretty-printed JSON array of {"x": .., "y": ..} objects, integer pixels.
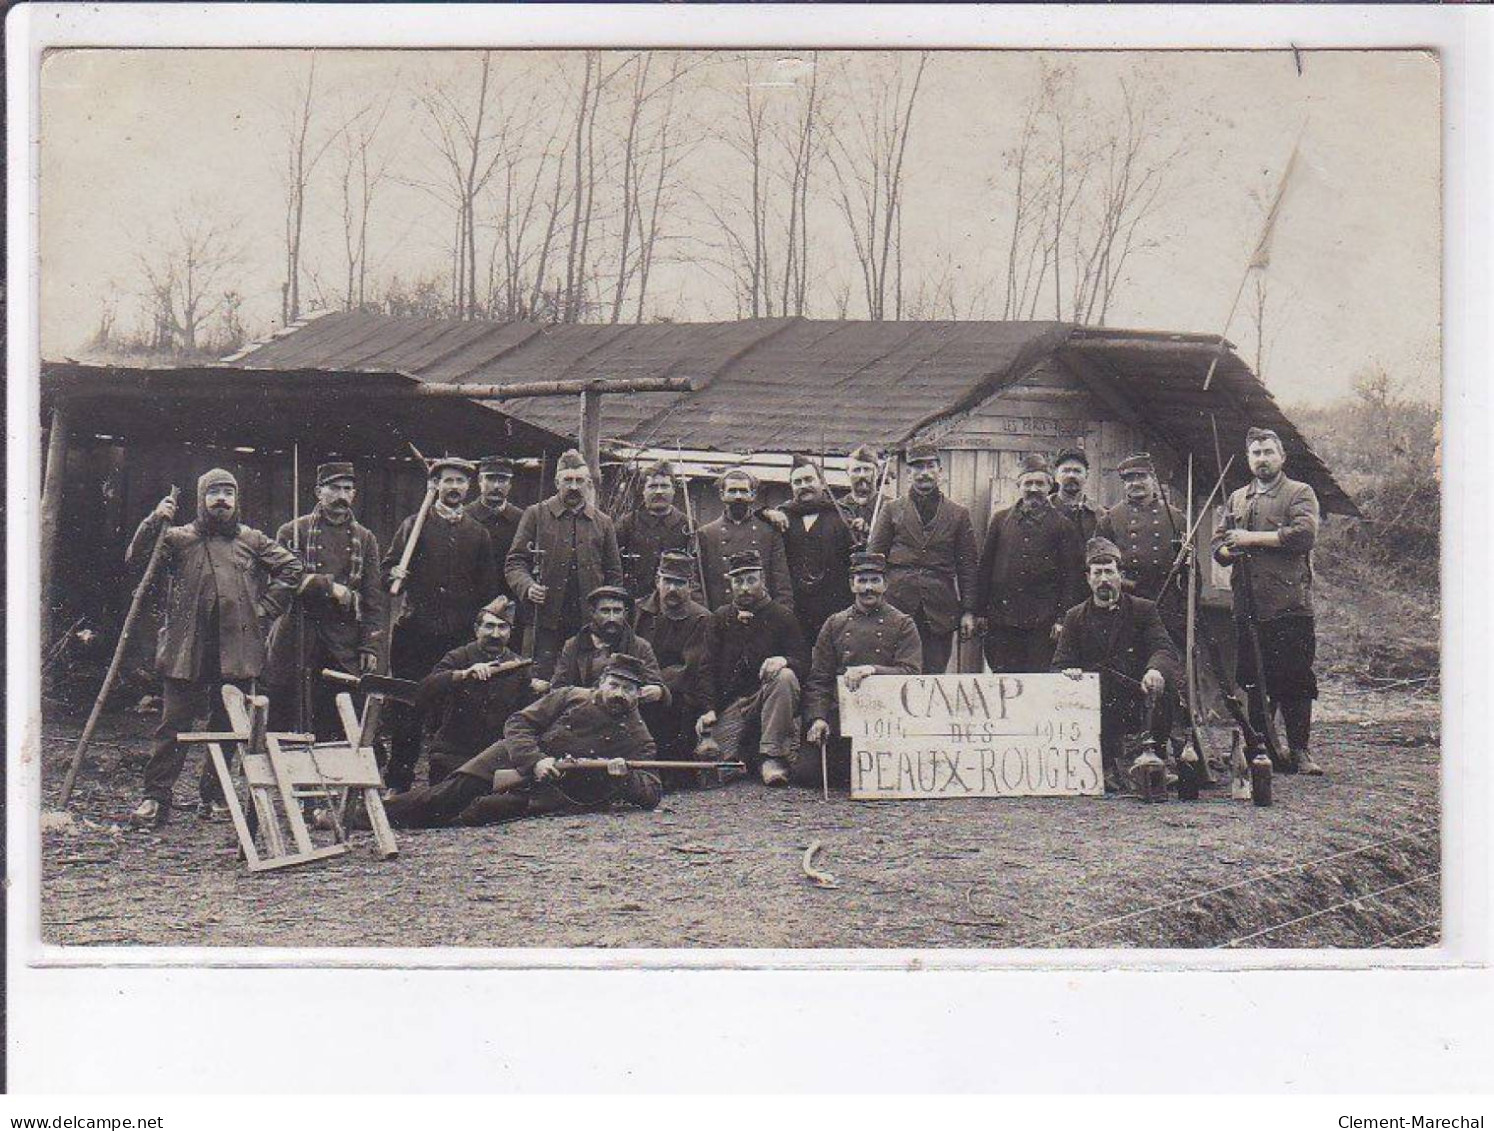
[
  {"x": 589, "y": 434},
  {"x": 301, "y": 674},
  {"x": 51, "y": 508}
]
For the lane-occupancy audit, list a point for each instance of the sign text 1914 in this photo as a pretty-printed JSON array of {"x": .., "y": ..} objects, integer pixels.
[{"x": 973, "y": 736}]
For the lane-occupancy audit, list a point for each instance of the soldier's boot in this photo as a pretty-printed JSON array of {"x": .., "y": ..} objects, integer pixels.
[
  {"x": 1306, "y": 765},
  {"x": 493, "y": 809},
  {"x": 774, "y": 773},
  {"x": 150, "y": 814},
  {"x": 643, "y": 789}
]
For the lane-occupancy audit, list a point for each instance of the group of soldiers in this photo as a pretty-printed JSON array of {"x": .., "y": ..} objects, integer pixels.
[{"x": 651, "y": 640}]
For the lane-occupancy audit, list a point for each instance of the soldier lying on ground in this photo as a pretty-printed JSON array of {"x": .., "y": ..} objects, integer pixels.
[
  {"x": 869, "y": 638},
  {"x": 525, "y": 772}
]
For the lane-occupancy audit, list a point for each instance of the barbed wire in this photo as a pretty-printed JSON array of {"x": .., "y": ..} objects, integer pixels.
[
  {"x": 1330, "y": 909},
  {"x": 1260, "y": 878},
  {"x": 1430, "y": 924}
]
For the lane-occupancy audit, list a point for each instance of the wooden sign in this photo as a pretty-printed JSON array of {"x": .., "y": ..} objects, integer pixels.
[{"x": 928, "y": 736}]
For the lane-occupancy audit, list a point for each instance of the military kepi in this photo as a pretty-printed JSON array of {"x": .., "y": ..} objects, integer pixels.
[
  {"x": 624, "y": 666},
  {"x": 330, "y": 472},
  {"x": 865, "y": 562},
  {"x": 920, "y": 453},
  {"x": 495, "y": 465},
  {"x": 1261, "y": 434},
  {"x": 676, "y": 566},
  {"x": 1139, "y": 464},
  {"x": 602, "y": 592},
  {"x": 745, "y": 562},
  {"x": 1101, "y": 550}
]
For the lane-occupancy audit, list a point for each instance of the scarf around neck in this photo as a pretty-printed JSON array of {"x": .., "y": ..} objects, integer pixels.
[{"x": 311, "y": 553}]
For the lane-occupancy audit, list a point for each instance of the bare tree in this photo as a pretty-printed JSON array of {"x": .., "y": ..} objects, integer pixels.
[
  {"x": 867, "y": 156},
  {"x": 362, "y": 173},
  {"x": 183, "y": 277},
  {"x": 1085, "y": 180},
  {"x": 302, "y": 155}
]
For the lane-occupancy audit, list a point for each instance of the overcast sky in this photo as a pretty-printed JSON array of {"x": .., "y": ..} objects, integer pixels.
[{"x": 1354, "y": 278}]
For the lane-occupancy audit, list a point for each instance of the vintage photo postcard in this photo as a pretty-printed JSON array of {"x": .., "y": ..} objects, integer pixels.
[{"x": 744, "y": 500}]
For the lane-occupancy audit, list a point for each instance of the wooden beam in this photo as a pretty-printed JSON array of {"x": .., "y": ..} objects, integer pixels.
[
  {"x": 563, "y": 388},
  {"x": 51, "y": 509},
  {"x": 589, "y": 433}
]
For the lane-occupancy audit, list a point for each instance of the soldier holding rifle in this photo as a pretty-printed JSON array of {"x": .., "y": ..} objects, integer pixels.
[
  {"x": 451, "y": 571},
  {"x": 1266, "y": 534}
]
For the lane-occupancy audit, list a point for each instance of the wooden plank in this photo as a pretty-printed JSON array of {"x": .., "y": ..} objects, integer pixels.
[
  {"x": 332, "y": 767},
  {"x": 291, "y": 861},
  {"x": 235, "y": 810},
  {"x": 269, "y": 823},
  {"x": 299, "y": 832},
  {"x": 385, "y": 846}
]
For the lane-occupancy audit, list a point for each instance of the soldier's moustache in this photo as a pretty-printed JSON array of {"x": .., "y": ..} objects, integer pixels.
[{"x": 615, "y": 703}]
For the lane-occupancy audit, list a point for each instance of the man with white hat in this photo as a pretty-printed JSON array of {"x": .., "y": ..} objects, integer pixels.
[{"x": 225, "y": 583}]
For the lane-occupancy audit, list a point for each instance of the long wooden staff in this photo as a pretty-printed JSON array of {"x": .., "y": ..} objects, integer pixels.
[
  {"x": 112, "y": 675},
  {"x": 1190, "y": 663}
]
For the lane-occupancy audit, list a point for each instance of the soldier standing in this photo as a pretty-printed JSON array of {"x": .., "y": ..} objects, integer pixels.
[
  {"x": 452, "y": 572},
  {"x": 1071, "y": 471},
  {"x": 862, "y": 468},
  {"x": 225, "y": 583},
  {"x": 563, "y": 549},
  {"x": 1029, "y": 571},
  {"x": 931, "y": 557},
  {"x": 675, "y": 625},
  {"x": 337, "y": 618},
  {"x": 737, "y": 531},
  {"x": 1149, "y": 532},
  {"x": 645, "y": 533},
  {"x": 869, "y": 638},
  {"x": 1272, "y": 523},
  {"x": 817, "y": 544},
  {"x": 492, "y": 510}
]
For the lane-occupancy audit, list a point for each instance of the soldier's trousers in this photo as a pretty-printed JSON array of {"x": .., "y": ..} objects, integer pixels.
[
  {"x": 284, "y": 691},
  {"x": 1288, "y": 649},
  {"x": 182, "y": 701},
  {"x": 1011, "y": 649},
  {"x": 937, "y": 646},
  {"x": 1126, "y": 713},
  {"x": 770, "y": 720},
  {"x": 414, "y": 651}
]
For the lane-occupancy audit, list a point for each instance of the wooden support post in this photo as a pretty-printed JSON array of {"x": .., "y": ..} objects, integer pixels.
[
  {"x": 589, "y": 434},
  {"x": 55, "y": 474}
]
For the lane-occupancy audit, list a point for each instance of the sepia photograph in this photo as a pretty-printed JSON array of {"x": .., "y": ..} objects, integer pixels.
[{"x": 713, "y": 499}]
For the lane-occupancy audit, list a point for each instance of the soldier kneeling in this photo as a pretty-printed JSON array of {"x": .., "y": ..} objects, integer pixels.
[
  {"x": 526, "y": 772},
  {"x": 869, "y": 638},
  {"x": 1122, "y": 638}
]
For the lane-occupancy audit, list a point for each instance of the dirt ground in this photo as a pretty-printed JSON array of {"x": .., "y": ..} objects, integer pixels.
[{"x": 1347, "y": 860}]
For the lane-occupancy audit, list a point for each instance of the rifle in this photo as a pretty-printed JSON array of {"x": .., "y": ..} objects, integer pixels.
[
  {"x": 536, "y": 570},
  {"x": 694, "y": 531},
  {"x": 509, "y": 779},
  {"x": 1241, "y": 561},
  {"x": 871, "y": 523}
]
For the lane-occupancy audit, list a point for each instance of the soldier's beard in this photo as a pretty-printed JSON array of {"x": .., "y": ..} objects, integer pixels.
[
  {"x": 674, "y": 598},
  {"x": 221, "y": 517},
  {"x": 738, "y": 510},
  {"x": 1106, "y": 594},
  {"x": 1070, "y": 488},
  {"x": 571, "y": 496},
  {"x": 611, "y": 632},
  {"x": 614, "y": 703},
  {"x": 861, "y": 486}
]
